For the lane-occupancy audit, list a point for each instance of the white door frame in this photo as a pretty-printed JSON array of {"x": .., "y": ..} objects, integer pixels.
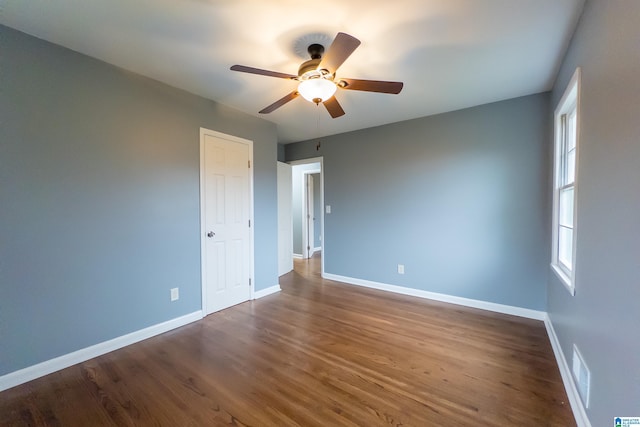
[
  {"x": 203, "y": 231},
  {"x": 322, "y": 213}
]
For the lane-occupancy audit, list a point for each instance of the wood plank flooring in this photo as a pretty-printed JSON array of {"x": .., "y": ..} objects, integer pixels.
[{"x": 319, "y": 353}]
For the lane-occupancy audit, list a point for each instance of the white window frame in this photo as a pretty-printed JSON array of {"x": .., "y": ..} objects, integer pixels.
[{"x": 569, "y": 102}]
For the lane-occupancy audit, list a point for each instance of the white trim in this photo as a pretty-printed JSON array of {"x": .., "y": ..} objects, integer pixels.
[
  {"x": 562, "y": 276},
  {"x": 467, "y": 302},
  {"x": 285, "y": 217},
  {"x": 323, "y": 213},
  {"x": 574, "y": 84},
  {"x": 297, "y": 256},
  {"x": 203, "y": 275},
  {"x": 579, "y": 411},
  {"x": 306, "y": 161},
  {"x": 268, "y": 291},
  {"x": 571, "y": 94},
  {"x": 47, "y": 367}
]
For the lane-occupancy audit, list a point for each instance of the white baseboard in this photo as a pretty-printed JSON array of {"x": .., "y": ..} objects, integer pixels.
[
  {"x": 264, "y": 292},
  {"x": 30, "y": 373},
  {"x": 467, "y": 302},
  {"x": 297, "y": 256},
  {"x": 579, "y": 411}
]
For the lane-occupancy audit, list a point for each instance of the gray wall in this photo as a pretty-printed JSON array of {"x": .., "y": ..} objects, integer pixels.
[
  {"x": 603, "y": 317},
  {"x": 99, "y": 200},
  {"x": 459, "y": 198}
]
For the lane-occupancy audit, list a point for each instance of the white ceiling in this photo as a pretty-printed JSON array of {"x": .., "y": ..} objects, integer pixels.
[{"x": 450, "y": 54}]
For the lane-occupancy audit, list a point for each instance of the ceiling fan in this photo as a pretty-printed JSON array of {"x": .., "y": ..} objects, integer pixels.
[{"x": 317, "y": 76}]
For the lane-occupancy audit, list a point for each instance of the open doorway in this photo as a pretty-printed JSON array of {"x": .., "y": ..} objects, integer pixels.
[
  {"x": 306, "y": 236},
  {"x": 307, "y": 182}
]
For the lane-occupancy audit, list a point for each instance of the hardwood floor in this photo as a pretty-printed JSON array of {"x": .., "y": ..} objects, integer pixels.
[{"x": 319, "y": 353}]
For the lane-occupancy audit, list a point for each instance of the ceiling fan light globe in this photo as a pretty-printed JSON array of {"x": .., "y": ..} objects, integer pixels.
[{"x": 317, "y": 89}]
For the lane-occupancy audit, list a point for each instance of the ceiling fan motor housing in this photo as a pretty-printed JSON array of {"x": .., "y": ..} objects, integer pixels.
[
  {"x": 315, "y": 52},
  {"x": 310, "y": 65}
]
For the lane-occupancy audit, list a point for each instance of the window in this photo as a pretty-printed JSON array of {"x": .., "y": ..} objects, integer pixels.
[{"x": 566, "y": 133}]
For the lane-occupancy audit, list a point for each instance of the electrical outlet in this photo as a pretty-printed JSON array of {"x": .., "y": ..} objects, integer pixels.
[
  {"x": 328, "y": 209},
  {"x": 400, "y": 268},
  {"x": 175, "y": 294}
]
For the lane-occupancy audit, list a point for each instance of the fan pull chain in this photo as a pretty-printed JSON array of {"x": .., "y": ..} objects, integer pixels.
[
  {"x": 318, "y": 127},
  {"x": 318, "y": 121}
]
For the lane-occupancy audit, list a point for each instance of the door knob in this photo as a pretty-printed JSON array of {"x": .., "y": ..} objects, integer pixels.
[{"x": 211, "y": 234}]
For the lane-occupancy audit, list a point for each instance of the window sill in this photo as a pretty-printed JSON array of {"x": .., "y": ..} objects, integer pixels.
[{"x": 566, "y": 280}]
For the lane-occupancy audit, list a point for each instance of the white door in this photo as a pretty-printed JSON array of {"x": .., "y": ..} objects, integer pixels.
[
  {"x": 285, "y": 219},
  {"x": 226, "y": 213}
]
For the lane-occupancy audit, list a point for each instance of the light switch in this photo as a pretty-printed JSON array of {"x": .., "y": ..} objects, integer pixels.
[{"x": 328, "y": 209}]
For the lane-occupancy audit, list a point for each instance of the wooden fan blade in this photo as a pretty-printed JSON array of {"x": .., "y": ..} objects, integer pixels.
[
  {"x": 261, "y": 72},
  {"x": 341, "y": 48},
  {"x": 371, "y": 85},
  {"x": 280, "y": 102},
  {"x": 333, "y": 107}
]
